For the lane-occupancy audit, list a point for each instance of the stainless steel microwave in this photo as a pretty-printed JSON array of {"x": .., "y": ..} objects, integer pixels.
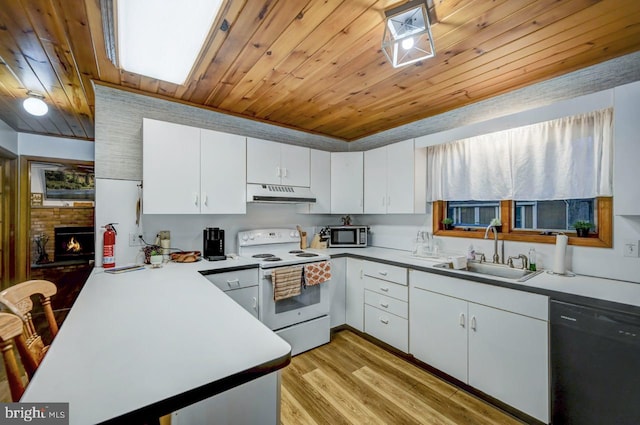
[{"x": 348, "y": 236}]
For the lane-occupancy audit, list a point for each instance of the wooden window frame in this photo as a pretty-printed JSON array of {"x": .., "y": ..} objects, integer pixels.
[{"x": 602, "y": 239}]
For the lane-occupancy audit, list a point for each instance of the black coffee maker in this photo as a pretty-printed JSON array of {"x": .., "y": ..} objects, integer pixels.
[{"x": 213, "y": 244}]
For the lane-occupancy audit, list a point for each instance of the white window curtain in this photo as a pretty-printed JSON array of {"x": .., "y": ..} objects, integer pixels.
[{"x": 567, "y": 158}]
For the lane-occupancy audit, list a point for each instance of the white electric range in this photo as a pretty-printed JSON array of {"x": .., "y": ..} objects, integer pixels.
[{"x": 303, "y": 320}]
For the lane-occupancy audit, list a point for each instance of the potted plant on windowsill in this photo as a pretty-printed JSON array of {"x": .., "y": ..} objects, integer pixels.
[
  {"x": 448, "y": 223},
  {"x": 582, "y": 228}
]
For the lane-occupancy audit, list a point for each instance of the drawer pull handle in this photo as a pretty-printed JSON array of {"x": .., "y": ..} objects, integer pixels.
[
  {"x": 473, "y": 323},
  {"x": 236, "y": 281},
  {"x": 384, "y": 305},
  {"x": 462, "y": 321},
  {"x": 255, "y": 303},
  {"x": 385, "y": 321},
  {"x": 383, "y": 273},
  {"x": 384, "y": 288}
]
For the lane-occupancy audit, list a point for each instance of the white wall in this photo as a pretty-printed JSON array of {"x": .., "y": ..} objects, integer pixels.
[
  {"x": 55, "y": 147},
  {"x": 8, "y": 138},
  {"x": 116, "y": 203}
]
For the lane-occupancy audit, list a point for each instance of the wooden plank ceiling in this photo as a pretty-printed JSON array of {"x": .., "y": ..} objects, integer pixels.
[{"x": 313, "y": 65}]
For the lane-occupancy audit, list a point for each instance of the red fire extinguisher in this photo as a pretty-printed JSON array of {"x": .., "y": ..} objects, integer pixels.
[{"x": 109, "y": 246}]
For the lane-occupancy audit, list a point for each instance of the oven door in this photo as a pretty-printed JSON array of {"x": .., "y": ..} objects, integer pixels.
[{"x": 312, "y": 302}]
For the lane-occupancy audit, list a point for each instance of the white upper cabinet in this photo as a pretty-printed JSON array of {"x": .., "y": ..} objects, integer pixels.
[
  {"x": 170, "y": 168},
  {"x": 319, "y": 183},
  {"x": 347, "y": 182},
  {"x": 223, "y": 173},
  {"x": 187, "y": 170},
  {"x": 395, "y": 179},
  {"x": 627, "y": 149},
  {"x": 277, "y": 163}
]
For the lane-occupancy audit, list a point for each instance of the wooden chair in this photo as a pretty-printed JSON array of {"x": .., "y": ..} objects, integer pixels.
[
  {"x": 11, "y": 330},
  {"x": 17, "y": 299}
]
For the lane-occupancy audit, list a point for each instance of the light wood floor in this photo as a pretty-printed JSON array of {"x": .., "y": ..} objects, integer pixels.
[{"x": 352, "y": 381}]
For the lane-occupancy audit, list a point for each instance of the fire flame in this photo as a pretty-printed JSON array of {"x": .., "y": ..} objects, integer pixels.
[{"x": 73, "y": 245}]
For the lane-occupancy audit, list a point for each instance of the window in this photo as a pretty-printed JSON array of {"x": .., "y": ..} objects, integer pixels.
[
  {"x": 552, "y": 215},
  {"x": 473, "y": 213},
  {"x": 547, "y": 176}
]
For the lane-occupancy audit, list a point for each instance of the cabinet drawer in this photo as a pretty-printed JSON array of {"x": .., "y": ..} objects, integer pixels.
[
  {"x": 385, "y": 271},
  {"x": 234, "y": 279},
  {"x": 385, "y": 303},
  {"x": 389, "y": 289},
  {"x": 387, "y": 327}
]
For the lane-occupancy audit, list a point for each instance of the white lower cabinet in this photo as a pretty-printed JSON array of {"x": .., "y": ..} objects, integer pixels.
[
  {"x": 354, "y": 292},
  {"x": 494, "y": 339},
  {"x": 386, "y": 304},
  {"x": 241, "y": 286}
]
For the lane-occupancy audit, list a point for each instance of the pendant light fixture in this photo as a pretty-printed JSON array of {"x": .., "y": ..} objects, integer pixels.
[
  {"x": 35, "y": 105},
  {"x": 407, "y": 34}
]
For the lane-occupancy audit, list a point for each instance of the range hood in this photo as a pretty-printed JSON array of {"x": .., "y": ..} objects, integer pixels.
[{"x": 279, "y": 194}]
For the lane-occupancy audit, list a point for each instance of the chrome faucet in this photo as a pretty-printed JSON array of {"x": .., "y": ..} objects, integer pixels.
[{"x": 496, "y": 257}]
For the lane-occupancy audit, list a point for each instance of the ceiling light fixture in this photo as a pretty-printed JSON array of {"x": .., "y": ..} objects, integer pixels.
[
  {"x": 35, "y": 105},
  {"x": 162, "y": 40},
  {"x": 407, "y": 34}
]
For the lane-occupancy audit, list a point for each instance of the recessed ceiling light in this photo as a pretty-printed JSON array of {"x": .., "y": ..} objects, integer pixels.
[
  {"x": 35, "y": 105},
  {"x": 163, "y": 39}
]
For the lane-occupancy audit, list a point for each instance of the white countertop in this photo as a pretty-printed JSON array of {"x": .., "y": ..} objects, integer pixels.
[
  {"x": 586, "y": 286},
  {"x": 139, "y": 338}
]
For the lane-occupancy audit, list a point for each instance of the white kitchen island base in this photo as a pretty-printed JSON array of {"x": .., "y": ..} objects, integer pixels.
[{"x": 255, "y": 403}]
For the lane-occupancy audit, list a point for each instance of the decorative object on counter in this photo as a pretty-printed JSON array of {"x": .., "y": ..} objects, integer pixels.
[
  {"x": 448, "y": 223},
  {"x": 346, "y": 220},
  {"x": 147, "y": 250},
  {"x": 155, "y": 258},
  {"x": 163, "y": 238},
  {"x": 582, "y": 228},
  {"x": 41, "y": 243},
  {"x": 532, "y": 259},
  {"x": 471, "y": 253},
  {"x": 303, "y": 237},
  {"x": 186, "y": 257}
]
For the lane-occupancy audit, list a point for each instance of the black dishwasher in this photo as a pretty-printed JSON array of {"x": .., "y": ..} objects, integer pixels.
[{"x": 595, "y": 366}]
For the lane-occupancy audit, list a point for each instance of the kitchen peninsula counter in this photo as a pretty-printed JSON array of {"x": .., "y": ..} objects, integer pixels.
[
  {"x": 580, "y": 289},
  {"x": 142, "y": 344}
]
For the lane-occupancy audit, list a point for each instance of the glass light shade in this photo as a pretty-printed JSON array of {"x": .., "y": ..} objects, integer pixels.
[
  {"x": 407, "y": 36},
  {"x": 35, "y": 106},
  {"x": 162, "y": 40}
]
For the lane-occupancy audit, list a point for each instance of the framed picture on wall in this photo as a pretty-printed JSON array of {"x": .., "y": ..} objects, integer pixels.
[{"x": 72, "y": 185}]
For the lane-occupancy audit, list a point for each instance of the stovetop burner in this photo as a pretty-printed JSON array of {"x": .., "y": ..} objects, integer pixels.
[
  {"x": 306, "y": 254},
  {"x": 296, "y": 251},
  {"x": 263, "y": 256},
  {"x": 272, "y": 258}
]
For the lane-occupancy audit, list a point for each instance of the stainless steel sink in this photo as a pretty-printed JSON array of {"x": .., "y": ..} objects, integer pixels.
[{"x": 497, "y": 270}]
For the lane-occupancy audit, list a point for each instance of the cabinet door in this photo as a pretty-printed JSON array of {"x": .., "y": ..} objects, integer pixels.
[
  {"x": 508, "y": 358},
  {"x": 170, "y": 168},
  {"x": 263, "y": 161},
  {"x": 337, "y": 291},
  {"x": 438, "y": 331},
  {"x": 294, "y": 165},
  {"x": 355, "y": 294},
  {"x": 375, "y": 181},
  {"x": 320, "y": 182},
  {"x": 247, "y": 298},
  {"x": 346, "y": 182},
  {"x": 223, "y": 183},
  {"x": 400, "y": 178}
]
